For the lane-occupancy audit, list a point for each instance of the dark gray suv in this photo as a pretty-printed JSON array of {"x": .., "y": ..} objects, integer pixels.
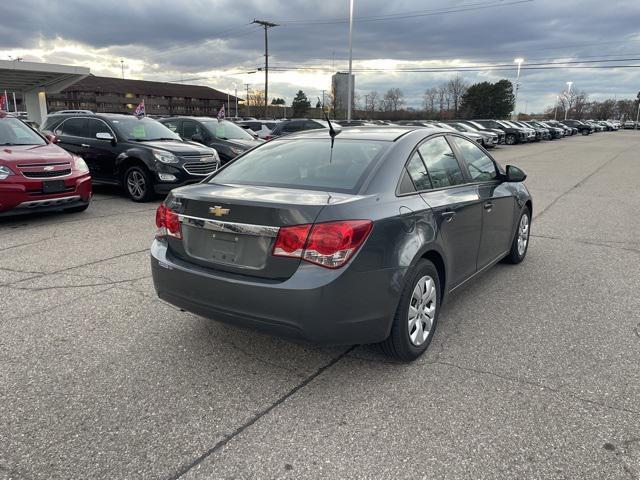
[{"x": 356, "y": 242}]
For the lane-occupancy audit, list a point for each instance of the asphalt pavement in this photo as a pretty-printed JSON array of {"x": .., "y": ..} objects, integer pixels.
[{"x": 534, "y": 371}]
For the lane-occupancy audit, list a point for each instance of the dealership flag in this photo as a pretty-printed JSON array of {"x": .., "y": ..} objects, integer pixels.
[
  {"x": 221, "y": 112},
  {"x": 4, "y": 102},
  {"x": 139, "y": 111}
]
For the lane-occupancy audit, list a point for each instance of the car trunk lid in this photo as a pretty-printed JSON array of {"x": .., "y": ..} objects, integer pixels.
[{"x": 233, "y": 228}]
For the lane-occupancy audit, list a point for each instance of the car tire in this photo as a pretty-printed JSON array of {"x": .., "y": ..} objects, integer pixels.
[
  {"x": 510, "y": 139},
  {"x": 520, "y": 243},
  {"x": 407, "y": 342},
  {"x": 138, "y": 184},
  {"x": 585, "y": 132},
  {"x": 79, "y": 209}
]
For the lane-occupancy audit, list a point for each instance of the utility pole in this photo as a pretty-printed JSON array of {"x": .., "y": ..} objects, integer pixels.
[
  {"x": 246, "y": 101},
  {"x": 122, "y": 67},
  {"x": 518, "y": 61},
  {"x": 366, "y": 103},
  {"x": 236, "y": 90},
  {"x": 323, "y": 99},
  {"x": 555, "y": 111},
  {"x": 267, "y": 26}
]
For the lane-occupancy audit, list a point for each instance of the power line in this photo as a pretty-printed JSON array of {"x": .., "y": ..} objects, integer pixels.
[{"x": 404, "y": 15}]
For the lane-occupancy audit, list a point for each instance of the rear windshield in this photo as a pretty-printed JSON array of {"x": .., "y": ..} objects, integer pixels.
[{"x": 305, "y": 164}]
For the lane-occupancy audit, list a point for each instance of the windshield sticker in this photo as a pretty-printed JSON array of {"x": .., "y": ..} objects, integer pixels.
[{"x": 138, "y": 131}]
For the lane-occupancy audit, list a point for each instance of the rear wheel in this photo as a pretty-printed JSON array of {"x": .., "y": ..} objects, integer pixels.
[
  {"x": 414, "y": 323},
  {"x": 138, "y": 184},
  {"x": 510, "y": 139},
  {"x": 520, "y": 242}
]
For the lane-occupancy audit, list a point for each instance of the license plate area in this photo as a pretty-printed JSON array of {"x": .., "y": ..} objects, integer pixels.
[
  {"x": 53, "y": 186},
  {"x": 233, "y": 249}
]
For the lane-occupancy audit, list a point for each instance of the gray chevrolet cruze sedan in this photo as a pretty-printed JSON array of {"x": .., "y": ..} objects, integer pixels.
[{"x": 357, "y": 241}]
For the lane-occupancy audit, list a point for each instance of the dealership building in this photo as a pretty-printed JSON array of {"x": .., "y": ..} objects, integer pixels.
[
  {"x": 116, "y": 95},
  {"x": 40, "y": 88}
]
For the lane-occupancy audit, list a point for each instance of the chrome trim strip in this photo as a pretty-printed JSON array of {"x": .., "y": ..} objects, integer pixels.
[
  {"x": 230, "y": 227},
  {"x": 44, "y": 179},
  {"x": 49, "y": 202}
]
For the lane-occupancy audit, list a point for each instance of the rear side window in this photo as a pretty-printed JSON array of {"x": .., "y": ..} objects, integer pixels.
[
  {"x": 441, "y": 163},
  {"x": 74, "y": 127},
  {"x": 481, "y": 167},
  {"x": 418, "y": 173},
  {"x": 305, "y": 164}
]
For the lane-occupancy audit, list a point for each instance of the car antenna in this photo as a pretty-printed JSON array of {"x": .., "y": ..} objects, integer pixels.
[{"x": 332, "y": 132}]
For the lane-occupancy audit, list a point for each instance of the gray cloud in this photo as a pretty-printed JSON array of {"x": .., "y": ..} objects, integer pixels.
[{"x": 186, "y": 38}]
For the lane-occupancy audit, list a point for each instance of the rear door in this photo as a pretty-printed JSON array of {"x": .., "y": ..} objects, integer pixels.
[
  {"x": 498, "y": 200},
  {"x": 456, "y": 206},
  {"x": 71, "y": 135}
]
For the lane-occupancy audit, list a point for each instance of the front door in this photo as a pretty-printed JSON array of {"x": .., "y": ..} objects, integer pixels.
[
  {"x": 101, "y": 154},
  {"x": 497, "y": 199}
]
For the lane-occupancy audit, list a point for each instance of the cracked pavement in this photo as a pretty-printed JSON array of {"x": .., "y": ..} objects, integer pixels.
[{"x": 534, "y": 371}]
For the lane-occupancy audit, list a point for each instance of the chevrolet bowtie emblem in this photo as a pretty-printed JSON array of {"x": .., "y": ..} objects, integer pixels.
[{"x": 218, "y": 211}]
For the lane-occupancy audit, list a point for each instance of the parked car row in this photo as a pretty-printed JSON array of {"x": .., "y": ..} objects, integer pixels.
[{"x": 147, "y": 156}]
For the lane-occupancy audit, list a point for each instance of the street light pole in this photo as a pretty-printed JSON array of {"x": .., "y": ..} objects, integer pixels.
[
  {"x": 515, "y": 100},
  {"x": 236, "y": 89},
  {"x": 350, "y": 82},
  {"x": 566, "y": 110},
  {"x": 555, "y": 111}
]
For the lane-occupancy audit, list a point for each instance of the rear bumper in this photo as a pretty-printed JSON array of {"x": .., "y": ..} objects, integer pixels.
[
  {"x": 316, "y": 304},
  {"x": 21, "y": 195}
]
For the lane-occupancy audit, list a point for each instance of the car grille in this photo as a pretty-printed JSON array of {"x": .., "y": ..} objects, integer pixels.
[
  {"x": 201, "y": 168},
  {"x": 52, "y": 174}
]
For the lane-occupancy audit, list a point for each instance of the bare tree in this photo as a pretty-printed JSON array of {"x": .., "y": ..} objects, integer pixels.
[
  {"x": 393, "y": 100},
  {"x": 456, "y": 88},
  {"x": 429, "y": 99},
  {"x": 372, "y": 101}
]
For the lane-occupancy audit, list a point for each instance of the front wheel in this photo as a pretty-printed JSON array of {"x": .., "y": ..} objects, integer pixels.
[
  {"x": 520, "y": 242},
  {"x": 414, "y": 323},
  {"x": 511, "y": 139},
  {"x": 138, "y": 184}
]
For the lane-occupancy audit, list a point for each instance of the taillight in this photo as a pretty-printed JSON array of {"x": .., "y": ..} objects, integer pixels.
[
  {"x": 291, "y": 240},
  {"x": 329, "y": 244},
  {"x": 168, "y": 222}
]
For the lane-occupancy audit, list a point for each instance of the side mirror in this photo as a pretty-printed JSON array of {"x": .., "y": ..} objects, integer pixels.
[
  {"x": 104, "y": 136},
  {"x": 197, "y": 138},
  {"x": 514, "y": 174},
  {"x": 51, "y": 138}
]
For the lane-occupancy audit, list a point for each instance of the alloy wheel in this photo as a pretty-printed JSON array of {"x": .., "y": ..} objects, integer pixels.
[
  {"x": 523, "y": 234},
  {"x": 136, "y": 184},
  {"x": 422, "y": 310}
]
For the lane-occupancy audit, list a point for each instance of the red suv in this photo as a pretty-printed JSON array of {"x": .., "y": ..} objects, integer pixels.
[{"x": 36, "y": 175}]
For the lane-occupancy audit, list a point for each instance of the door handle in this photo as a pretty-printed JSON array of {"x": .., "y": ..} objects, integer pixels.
[
  {"x": 488, "y": 206},
  {"x": 85, "y": 145},
  {"x": 448, "y": 216}
]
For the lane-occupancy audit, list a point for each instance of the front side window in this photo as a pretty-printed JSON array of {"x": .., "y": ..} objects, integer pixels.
[
  {"x": 441, "y": 163},
  {"x": 172, "y": 125},
  {"x": 191, "y": 129},
  {"x": 97, "y": 126},
  {"x": 481, "y": 167},
  {"x": 14, "y": 132},
  {"x": 305, "y": 164}
]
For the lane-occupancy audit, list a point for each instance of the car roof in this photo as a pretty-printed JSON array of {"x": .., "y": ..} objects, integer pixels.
[{"x": 373, "y": 132}]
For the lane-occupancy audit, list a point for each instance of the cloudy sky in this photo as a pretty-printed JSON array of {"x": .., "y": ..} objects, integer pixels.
[{"x": 213, "y": 42}]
